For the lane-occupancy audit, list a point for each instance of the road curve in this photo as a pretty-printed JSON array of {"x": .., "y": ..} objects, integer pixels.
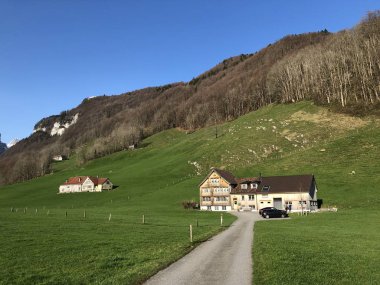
[{"x": 224, "y": 259}]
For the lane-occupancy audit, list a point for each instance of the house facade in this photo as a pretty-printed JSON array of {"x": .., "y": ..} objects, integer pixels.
[
  {"x": 215, "y": 191},
  {"x": 221, "y": 191},
  {"x": 85, "y": 184}
]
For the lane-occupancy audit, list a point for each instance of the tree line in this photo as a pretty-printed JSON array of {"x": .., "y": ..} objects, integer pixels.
[{"x": 341, "y": 69}]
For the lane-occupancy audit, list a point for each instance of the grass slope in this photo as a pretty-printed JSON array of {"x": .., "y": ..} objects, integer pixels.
[{"x": 283, "y": 139}]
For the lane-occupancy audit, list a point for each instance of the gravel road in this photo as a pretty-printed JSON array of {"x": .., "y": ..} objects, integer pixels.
[{"x": 224, "y": 259}]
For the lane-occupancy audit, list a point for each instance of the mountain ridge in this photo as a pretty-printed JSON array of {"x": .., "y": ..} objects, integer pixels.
[{"x": 315, "y": 66}]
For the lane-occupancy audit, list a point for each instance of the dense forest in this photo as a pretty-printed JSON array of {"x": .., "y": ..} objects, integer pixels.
[{"x": 341, "y": 69}]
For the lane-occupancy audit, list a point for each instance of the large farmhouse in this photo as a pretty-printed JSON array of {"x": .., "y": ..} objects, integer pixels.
[
  {"x": 85, "y": 184},
  {"x": 221, "y": 191}
]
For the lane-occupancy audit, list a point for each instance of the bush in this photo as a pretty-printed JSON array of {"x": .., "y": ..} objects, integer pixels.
[{"x": 189, "y": 204}]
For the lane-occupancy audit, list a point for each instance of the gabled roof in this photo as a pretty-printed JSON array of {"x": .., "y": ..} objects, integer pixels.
[
  {"x": 286, "y": 184},
  {"x": 79, "y": 180},
  {"x": 224, "y": 174},
  {"x": 102, "y": 180}
]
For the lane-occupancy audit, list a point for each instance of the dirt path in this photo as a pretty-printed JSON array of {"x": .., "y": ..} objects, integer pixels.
[{"x": 224, "y": 259}]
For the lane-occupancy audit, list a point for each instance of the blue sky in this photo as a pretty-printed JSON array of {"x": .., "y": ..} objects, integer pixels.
[{"x": 54, "y": 53}]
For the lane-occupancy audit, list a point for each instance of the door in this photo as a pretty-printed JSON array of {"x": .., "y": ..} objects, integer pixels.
[{"x": 277, "y": 203}]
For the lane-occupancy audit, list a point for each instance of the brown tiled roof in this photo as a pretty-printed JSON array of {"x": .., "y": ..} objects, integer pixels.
[
  {"x": 286, "y": 184},
  {"x": 102, "y": 180},
  {"x": 78, "y": 180}
]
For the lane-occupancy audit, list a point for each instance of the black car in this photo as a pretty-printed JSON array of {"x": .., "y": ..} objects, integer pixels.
[
  {"x": 266, "y": 208},
  {"x": 274, "y": 213}
]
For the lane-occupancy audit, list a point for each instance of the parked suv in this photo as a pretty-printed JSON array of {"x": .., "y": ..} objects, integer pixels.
[
  {"x": 266, "y": 208},
  {"x": 274, "y": 213}
]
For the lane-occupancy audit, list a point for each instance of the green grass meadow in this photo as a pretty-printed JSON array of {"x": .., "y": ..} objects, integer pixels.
[
  {"x": 39, "y": 244},
  {"x": 323, "y": 248}
]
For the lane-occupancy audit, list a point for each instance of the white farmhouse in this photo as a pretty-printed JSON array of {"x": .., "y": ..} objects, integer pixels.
[{"x": 85, "y": 184}]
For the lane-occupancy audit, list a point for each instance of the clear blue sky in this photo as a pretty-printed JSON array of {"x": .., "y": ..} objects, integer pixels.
[{"x": 55, "y": 53}]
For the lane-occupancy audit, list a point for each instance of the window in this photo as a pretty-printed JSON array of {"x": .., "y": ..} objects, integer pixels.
[
  {"x": 224, "y": 208},
  {"x": 216, "y": 208},
  {"x": 219, "y": 199},
  {"x": 262, "y": 202},
  {"x": 254, "y": 186},
  {"x": 206, "y": 198},
  {"x": 242, "y": 197},
  {"x": 209, "y": 208},
  {"x": 266, "y": 188},
  {"x": 251, "y": 197},
  {"x": 215, "y": 181},
  {"x": 243, "y": 186},
  {"x": 268, "y": 202}
]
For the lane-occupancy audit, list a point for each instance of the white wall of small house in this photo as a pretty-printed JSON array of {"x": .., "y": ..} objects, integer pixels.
[
  {"x": 88, "y": 185},
  {"x": 107, "y": 185},
  {"x": 70, "y": 188}
]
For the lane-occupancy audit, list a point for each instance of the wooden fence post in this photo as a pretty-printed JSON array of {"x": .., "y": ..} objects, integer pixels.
[
  {"x": 191, "y": 233},
  {"x": 197, "y": 223},
  {"x": 84, "y": 214},
  {"x": 109, "y": 218},
  {"x": 221, "y": 219},
  {"x": 143, "y": 219},
  {"x": 66, "y": 214}
]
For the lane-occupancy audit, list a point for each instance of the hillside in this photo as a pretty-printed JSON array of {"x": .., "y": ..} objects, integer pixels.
[
  {"x": 340, "y": 150},
  {"x": 341, "y": 70}
]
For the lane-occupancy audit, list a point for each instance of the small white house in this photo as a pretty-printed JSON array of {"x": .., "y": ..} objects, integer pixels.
[
  {"x": 59, "y": 157},
  {"x": 85, "y": 184}
]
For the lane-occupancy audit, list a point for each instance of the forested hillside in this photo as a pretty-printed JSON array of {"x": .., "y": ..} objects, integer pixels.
[{"x": 342, "y": 70}]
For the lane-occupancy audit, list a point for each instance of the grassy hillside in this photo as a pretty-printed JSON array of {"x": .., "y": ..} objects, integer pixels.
[{"x": 39, "y": 244}]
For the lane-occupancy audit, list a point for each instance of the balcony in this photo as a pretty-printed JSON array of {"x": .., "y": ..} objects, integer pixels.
[
  {"x": 221, "y": 203},
  {"x": 206, "y": 203},
  {"x": 219, "y": 194},
  {"x": 206, "y": 194}
]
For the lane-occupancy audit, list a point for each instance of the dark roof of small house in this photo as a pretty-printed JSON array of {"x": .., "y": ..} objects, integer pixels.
[
  {"x": 226, "y": 175},
  {"x": 286, "y": 184}
]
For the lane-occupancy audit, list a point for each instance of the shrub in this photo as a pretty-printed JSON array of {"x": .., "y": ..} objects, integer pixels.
[{"x": 189, "y": 204}]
